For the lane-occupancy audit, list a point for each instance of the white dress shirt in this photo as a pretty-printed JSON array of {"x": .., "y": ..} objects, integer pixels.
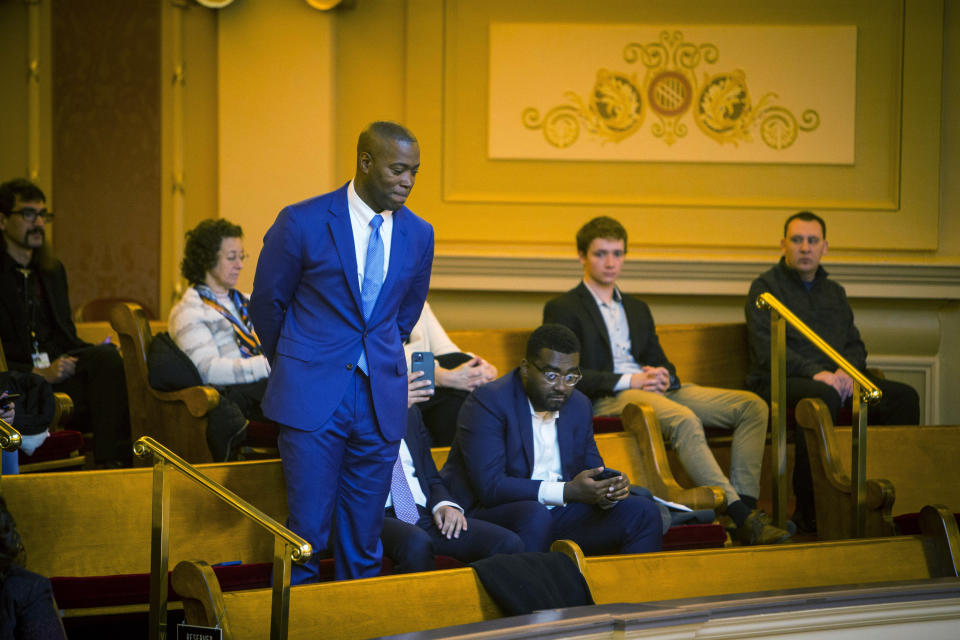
[
  {"x": 360, "y": 217},
  {"x": 615, "y": 318},
  {"x": 546, "y": 457},
  {"x": 410, "y": 472}
]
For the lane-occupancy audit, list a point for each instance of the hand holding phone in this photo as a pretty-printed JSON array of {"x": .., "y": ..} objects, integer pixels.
[
  {"x": 607, "y": 473},
  {"x": 8, "y": 399},
  {"x": 423, "y": 361}
]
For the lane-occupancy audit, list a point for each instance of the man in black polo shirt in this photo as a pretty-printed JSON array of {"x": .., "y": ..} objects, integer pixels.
[
  {"x": 38, "y": 333},
  {"x": 800, "y": 283}
]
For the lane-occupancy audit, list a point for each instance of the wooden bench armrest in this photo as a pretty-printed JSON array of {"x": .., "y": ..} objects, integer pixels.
[
  {"x": 62, "y": 410},
  {"x": 197, "y": 584},
  {"x": 198, "y": 400},
  {"x": 812, "y": 414},
  {"x": 641, "y": 420}
]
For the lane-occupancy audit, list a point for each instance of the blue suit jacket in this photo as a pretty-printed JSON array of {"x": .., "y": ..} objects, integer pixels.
[
  {"x": 307, "y": 311},
  {"x": 491, "y": 459}
]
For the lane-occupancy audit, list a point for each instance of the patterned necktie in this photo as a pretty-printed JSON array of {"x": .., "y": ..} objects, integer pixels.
[
  {"x": 372, "y": 278},
  {"x": 373, "y": 272},
  {"x": 404, "y": 506}
]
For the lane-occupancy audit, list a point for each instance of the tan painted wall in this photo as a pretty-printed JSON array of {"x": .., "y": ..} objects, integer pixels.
[{"x": 276, "y": 65}]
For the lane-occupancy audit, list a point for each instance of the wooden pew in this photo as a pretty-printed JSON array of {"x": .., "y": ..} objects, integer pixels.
[
  {"x": 689, "y": 574},
  {"x": 907, "y": 467},
  {"x": 416, "y": 602},
  {"x": 347, "y": 609},
  {"x": 98, "y": 523},
  {"x": 177, "y": 419}
]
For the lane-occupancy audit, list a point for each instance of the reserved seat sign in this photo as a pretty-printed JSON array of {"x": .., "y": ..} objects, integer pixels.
[{"x": 193, "y": 632}]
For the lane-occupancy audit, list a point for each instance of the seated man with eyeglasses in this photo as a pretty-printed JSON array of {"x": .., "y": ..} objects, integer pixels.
[
  {"x": 37, "y": 330},
  {"x": 524, "y": 458}
]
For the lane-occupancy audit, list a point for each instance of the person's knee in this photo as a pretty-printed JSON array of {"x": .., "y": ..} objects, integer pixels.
[
  {"x": 686, "y": 430},
  {"x": 534, "y": 527},
  {"x": 508, "y": 542},
  {"x": 755, "y": 407},
  {"x": 415, "y": 551}
]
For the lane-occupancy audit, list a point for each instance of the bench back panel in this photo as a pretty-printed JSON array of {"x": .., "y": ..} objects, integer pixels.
[
  {"x": 367, "y": 608},
  {"x": 89, "y": 523},
  {"x": 690, "y": 574},
  {"x": 710, "y": 354},
  {"x": 921, "y": 462}
]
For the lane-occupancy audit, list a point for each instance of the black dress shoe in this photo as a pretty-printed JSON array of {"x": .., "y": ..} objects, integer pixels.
[{"x": 806, "y": 522}]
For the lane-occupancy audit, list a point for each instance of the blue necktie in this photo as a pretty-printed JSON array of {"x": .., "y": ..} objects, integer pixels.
[
  {"x": 404, "y": 506},
  {"x": 372, "y": 278}
]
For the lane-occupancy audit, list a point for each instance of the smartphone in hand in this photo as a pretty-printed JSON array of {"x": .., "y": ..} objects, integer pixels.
[
  {"x": 8, "y": 399},
  {"x": 607, "y": 473},
  {"x": 423, "y": 361}
]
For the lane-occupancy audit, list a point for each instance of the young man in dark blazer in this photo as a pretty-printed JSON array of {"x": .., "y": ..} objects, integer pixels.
[
  {"x": 524, "y": 458},
  {"x": 439, "y": 526},
  {"x": 623, "y": 362}
]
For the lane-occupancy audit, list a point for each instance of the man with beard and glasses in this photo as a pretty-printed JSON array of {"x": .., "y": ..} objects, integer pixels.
[
  {"x": 524, "y": 458},
  {"x": 37, "y": 329},
  {"x": 341, "y": 280}
]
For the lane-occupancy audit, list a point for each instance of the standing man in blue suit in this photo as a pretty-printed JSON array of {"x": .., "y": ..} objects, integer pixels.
[
  {"x": 340, "y": 282},
  {"x": 524, "y": 457}
]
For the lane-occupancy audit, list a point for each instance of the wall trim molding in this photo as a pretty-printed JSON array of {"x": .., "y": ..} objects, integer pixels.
[
  {"x": 918, "y": 281},
  {"x": 928, "y": 367}
]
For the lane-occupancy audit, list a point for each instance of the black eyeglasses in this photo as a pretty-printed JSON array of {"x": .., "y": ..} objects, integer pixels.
[
  {"x": 31, "y": 215},
  {"x": 553, "y": 377}
]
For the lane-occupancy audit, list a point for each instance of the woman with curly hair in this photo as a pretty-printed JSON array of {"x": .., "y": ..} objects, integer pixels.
[
  {"x": 210, "y": 323},
  {"x": 27, "y": 608}
]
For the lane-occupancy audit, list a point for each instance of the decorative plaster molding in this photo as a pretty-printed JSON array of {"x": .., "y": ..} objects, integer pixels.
[{"x": 690, "y": 277}]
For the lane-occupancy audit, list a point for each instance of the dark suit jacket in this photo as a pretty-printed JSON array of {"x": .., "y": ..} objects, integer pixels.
[
  {"x": 27, "y": 607},
  {"x": 578, "y": 310},
  {"x": 14, "y": 325},
  {"x": 491, "y": 459},
  {"x": 307, "y": 310},
  {"x": 418, "y": 442}
]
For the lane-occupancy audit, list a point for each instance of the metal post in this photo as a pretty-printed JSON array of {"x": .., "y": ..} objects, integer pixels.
[
  {"x": 159, "y": 550},
  {"x": 280, "y": 609},
  {"x": 778, "y": 415},
  {"x": 858, "y": 465}
]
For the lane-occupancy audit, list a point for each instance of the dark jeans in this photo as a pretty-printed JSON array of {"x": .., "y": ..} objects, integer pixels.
[{"x": 99, "y": 393}]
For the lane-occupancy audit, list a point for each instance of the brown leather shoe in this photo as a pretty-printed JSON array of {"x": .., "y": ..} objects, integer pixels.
[{"x": 757, "y": 530}]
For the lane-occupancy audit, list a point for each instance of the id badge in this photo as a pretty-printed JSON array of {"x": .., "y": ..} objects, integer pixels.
[{"x": 40, "y": 359}]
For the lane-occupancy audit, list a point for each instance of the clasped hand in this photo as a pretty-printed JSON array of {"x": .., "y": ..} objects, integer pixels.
[
  {"x": 839, "y": 380},
  {"x": 654, "y": 379},
  {"x": 468, "y": 376},
  {"x": 59, "y": 370},
  {"x": 583, "y": 488}
]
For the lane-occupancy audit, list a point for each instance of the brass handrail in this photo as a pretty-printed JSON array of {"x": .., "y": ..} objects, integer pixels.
[
  {"x": 288, "y": 546},
  {"x": 864, "y": 393},
  {"x": 10, "y": 439}
]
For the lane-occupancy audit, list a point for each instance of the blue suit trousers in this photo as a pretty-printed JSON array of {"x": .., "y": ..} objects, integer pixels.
[{"x": 338, "y": 478}]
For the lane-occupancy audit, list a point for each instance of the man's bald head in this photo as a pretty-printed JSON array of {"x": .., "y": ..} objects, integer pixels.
[{"x": 388, "y": 158}]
